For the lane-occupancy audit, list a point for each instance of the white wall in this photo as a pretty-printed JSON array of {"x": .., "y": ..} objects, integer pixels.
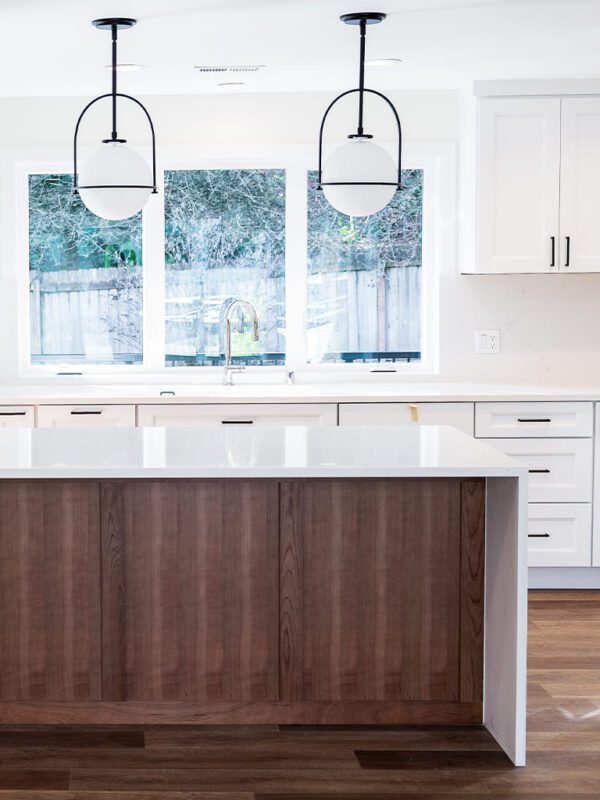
[{"x": 550, "y": 326}]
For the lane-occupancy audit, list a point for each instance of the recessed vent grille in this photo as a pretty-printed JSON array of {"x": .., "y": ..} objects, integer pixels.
[{"x": 231, "y": 68}]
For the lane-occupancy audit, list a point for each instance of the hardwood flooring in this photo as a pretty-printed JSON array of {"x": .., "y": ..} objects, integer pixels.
[{"x": 307, "y": 763}]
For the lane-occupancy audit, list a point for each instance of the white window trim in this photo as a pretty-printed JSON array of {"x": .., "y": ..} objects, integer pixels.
[{"x": 439, "y": 255}]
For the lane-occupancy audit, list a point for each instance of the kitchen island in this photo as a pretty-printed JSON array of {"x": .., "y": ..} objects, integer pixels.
[{"x": 254, "y": 576}]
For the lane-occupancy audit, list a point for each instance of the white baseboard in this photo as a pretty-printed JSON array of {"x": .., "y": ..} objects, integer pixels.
[{"x": 564, "y": 577}]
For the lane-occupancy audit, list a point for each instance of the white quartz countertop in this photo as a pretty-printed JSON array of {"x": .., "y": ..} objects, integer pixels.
[
  {"x": 286, "y": 452},
  {"x": 371, "y": 389}
]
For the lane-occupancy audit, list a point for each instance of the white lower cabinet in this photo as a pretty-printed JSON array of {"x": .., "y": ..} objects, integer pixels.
[
  {"x": 560, "y": 470},
  {"x": 459, "y": 415},
  {"x": 17, "y": 417},
  {"x": 172, "y": 414},
  {"x": 85, "y": 416},
  {"x": 559, "y": 534}
]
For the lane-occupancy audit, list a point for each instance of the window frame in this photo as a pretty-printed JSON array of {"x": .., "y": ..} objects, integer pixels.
[{"x": 439, "y": 254}]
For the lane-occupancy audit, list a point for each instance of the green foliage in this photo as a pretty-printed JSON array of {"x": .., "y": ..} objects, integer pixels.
[
  {"x": 64, "y": 235},
  {"x": 221, "y": 218},
  {"x": 390, "y": 238}
]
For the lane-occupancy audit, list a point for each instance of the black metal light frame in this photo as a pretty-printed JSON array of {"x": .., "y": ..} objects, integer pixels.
[
  {"x": 114, "y": 24},
  {"x": 361, "y": 20}
]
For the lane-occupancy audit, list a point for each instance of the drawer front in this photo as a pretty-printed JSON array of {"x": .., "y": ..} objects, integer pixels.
[
  {"x": 459, "y": 415},
  {"x": 17, "y": 417},
  {"x": 85, "y": 416},
  {"x": 529, "y": 420},
  {"x": 172, "y": 414},
  {"x": 560, "y": 470},
  {"x": 559, "y": 535}
]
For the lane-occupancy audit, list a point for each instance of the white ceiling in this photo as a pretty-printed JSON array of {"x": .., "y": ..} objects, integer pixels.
[{"x": 50, "y": 48}]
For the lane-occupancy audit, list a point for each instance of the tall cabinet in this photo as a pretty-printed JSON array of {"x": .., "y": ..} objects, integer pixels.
[{"x": 538, "y": 173}]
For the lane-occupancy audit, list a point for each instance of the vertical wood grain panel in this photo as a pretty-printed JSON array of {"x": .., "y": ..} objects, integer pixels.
[
  {"x": 290, "y": 594},
  {"x": 49, "y": 591},
  {"x": 371, "y": 576},
  {"x": 472, "y": 589},
  {"x": 196, "y": 566}
]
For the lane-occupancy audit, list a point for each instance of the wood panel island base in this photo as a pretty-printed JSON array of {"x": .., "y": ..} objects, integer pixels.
[{"x": 316, "y": 593}]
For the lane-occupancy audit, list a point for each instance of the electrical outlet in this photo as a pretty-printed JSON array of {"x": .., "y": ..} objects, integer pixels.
[{"x": 487, "y": 341}]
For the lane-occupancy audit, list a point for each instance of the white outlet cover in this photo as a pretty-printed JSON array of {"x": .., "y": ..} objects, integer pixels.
[{"x": 487, "y": 342}]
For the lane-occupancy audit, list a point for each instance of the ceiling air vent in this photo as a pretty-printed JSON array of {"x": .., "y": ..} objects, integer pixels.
[{"x": 230, "y": 68}]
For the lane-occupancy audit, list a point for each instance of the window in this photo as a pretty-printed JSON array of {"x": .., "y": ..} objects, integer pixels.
[
  {"x": 225, "y": 238},
  {"x": 364, "y": 278},
  {"x": 330, "y": 291},
  {"x": 85, "y": 280}
]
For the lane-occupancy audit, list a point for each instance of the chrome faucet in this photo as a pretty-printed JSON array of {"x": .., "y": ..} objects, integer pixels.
[{"x": 227, "y": 309}]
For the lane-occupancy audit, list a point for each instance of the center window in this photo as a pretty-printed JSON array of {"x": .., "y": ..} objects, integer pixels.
[{"x": 225, "y": 239}]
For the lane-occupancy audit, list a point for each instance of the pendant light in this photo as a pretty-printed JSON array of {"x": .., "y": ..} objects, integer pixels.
[
  {"x": 115, "y": 181},
  {"x": 360, "y": 178}
]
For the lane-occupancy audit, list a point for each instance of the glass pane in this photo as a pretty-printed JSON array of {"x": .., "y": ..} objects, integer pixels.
[
  {"x": 364, "y": 278},
  {"x": 225, "y": 238},
  {"x": 85, "y": 280}
]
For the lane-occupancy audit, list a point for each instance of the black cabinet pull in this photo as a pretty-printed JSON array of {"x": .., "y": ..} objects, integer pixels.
[
  {"x": 167, "y": 393},
  {"x": 553, "y": 256},
  {"x": 237, "y": 422},
  {"x": 568, "y": 256},
  {"x": 12, "y": 413},
  {"x": 545, "y": 471},
  {"x": 82, "y": 413},
  {"x": 544, "y": 419},
  {"x": 538, "y": 535}
]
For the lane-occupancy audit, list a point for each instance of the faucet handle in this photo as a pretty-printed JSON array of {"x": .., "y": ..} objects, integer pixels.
[{"x": 290, "y": 377}]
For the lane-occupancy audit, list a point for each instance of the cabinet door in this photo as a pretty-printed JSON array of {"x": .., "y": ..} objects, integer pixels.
[
  {"x": 459, "y": 415},
  {"x": 519, "y": 164},
  {"x": 579, "y": 181},
  {"x": 172, "y": 414},
  {"x": 376, "y": 603},
  {"x": 50, "y": 591},
  {"x": 560, "y": 470},
  {"x": 559, "y": 534},
  {"x": 190, "y": 598},
  {"x": 86, "y": 416}
]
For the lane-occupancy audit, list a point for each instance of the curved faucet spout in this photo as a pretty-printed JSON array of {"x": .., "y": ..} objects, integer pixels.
[{"x": 226, "y": 314}]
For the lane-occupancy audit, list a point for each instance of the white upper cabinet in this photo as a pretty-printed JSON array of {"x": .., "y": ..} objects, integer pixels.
[
  {"x": 579, "y": 182},
  {"x": 539, "y": 172},
  {"x": 519, "y": 169}
]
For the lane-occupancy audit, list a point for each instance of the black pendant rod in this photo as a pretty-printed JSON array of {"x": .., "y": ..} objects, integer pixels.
[
  {"x": 114, "y": 31},
  {"x": 361, "y": 76}
]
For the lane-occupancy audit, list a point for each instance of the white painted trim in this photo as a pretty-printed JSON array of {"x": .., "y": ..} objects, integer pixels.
[
  {"x": 564, "y": 577},
  {"x": 530, "y": 88}
]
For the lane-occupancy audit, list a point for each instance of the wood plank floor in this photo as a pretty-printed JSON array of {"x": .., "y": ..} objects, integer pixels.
[{"x": 290, "y": 763}]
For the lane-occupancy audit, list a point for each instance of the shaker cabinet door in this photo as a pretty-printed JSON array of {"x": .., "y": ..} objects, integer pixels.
[
  {"x": 579, "y": 181},
  {"x": 519, "y": 166}
]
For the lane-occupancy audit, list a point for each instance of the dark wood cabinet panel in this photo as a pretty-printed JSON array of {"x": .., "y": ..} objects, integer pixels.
[
  {"x": 49, "y": 591},
  {"x": 190, "y": 590},
  {"x": 372, "y": 586},
  {"x": 323, "y": 601}
]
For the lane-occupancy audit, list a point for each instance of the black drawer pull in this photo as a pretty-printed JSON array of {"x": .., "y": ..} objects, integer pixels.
[
  {"x": 167, "y": 393},
  {"x": 237, "y": 422},
  {"x": 82, "y": 413},
  {"x": 538, "y": 535},
  {"x": 541, "y": 419},
  {"x": 544, "y": 471},
  {"x": 12, "y": 413}
]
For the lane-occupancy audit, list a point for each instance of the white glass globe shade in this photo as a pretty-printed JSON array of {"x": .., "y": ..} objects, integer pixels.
[
  {"x": 360, "y": 160},
  {"x": 114, "y": 165}
]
